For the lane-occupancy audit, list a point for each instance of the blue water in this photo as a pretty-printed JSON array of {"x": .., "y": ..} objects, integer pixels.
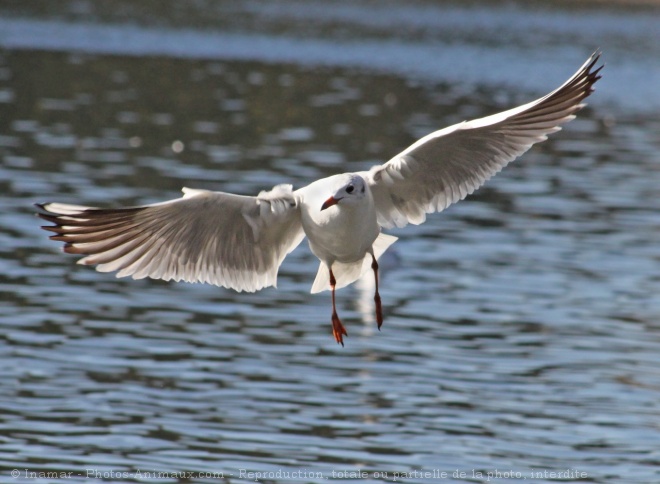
[{"x": 521, "y": 333}]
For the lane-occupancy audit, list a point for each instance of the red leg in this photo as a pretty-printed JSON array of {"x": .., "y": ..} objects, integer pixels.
[
  {"x": 379, "y": 308},
  {"x": 338, "y": 329}
]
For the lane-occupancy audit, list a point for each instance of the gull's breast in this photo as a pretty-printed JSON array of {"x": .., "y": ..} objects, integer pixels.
[{"x": 340, "y": 234}]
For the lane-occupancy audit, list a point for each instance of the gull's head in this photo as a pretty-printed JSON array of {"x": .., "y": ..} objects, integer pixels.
[{"x": 352, "y": 190}]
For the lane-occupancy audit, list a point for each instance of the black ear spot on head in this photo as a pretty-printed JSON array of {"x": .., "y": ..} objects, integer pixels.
[{"x": 362, "y": 191}]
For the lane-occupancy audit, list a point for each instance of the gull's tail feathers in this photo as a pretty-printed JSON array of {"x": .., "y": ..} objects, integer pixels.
[{"x": 346, "y": 274}]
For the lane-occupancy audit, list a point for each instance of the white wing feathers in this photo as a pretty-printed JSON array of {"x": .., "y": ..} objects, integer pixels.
[
  {"x": 447, "y": 165},
  {"x": 213, "y": 237}
]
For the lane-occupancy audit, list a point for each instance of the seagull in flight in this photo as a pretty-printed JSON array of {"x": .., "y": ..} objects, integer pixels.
[{"x": 239, "y": 242}]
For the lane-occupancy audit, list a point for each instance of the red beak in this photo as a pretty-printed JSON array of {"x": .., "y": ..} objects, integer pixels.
[{"x": 330, "y": 202}]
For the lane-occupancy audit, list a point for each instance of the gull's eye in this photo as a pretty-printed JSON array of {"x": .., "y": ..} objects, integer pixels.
[{"x": 350, "y": 188}]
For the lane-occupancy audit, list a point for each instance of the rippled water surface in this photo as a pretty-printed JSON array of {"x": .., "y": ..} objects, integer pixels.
[{"x": 522, "y": 331}]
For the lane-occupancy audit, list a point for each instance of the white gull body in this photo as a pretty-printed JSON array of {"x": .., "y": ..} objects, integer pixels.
[
  {"x": 355, "y": 232},
  {"x": 239, "y": 242}
]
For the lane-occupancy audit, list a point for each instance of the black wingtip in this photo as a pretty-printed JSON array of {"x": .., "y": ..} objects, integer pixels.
[
  {"x": 595, "y": 58},
  {"x": 41, "y": 207},
  {"x": 592, "y": 73},
  {"x": 44, "y": 214}
]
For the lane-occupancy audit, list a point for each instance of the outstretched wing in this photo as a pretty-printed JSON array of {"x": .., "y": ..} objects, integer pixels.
[
  {"x": 447, "y": 165},
  {"x": 217, "y": 238}
]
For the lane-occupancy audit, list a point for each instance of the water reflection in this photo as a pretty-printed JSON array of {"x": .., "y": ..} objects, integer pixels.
[{"x": 521, "y": 326}]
